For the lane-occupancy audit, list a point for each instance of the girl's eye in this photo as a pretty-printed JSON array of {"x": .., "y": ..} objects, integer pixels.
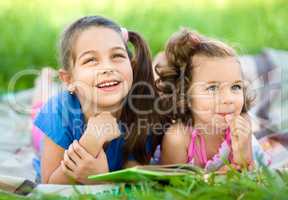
[
  {"x": 212, "y": 88},
  {"x": 236, "y": 87},
  {"x": 118, "y": 55},
  {"x": 90, "y": 61}
]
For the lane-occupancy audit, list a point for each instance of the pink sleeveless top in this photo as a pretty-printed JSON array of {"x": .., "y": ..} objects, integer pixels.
[{"x": 218, "y": 160}]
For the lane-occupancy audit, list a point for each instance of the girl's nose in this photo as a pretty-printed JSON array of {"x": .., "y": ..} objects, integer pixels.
[
  {"x": 108, "y": 71},
  {"x": 106, "y": 67},
  {"x": 226, "y": 96}
]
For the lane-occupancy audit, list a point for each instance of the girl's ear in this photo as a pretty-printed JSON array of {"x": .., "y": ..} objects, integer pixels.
[{"x": 64, "y": 76}]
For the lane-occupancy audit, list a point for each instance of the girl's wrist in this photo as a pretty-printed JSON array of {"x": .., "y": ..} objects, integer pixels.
[
  {"x": 95, "y": 135},
  {"x": 92, "y": 143}
]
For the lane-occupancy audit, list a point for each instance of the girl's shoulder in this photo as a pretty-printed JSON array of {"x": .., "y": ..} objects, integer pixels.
[
  {"x": 178, "y": 133},
  {"x": 61, "y": 119},
  {"x": 62, "y": 107},
  {"x": 177, "y": 128},
  {"x": 62, "y": 102}
]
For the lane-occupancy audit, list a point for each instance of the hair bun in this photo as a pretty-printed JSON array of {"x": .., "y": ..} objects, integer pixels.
[{"x": 181, "y": 46}]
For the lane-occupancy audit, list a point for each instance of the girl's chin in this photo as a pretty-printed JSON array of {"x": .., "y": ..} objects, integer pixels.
[
  {"x": 218, "y": 125},
  {"x": 109, "y": 102}
]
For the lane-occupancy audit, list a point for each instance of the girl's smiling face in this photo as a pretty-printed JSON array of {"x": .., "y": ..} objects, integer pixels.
[
  {"x": 102, "y": 72},
  {"x": 216, "y": 90}
]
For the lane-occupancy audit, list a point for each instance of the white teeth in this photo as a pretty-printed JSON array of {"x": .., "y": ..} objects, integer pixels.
[{"x": 107, "y": 84}]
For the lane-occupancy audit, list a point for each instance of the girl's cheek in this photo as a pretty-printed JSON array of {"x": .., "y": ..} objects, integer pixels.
[
  {"x": 127, "y": 74},
  {"x": 210, "y": 104},
  {"x": 240, "y": 107},
  {"x": 239, "y": 103},
  {"x": 206, "y": 107}
]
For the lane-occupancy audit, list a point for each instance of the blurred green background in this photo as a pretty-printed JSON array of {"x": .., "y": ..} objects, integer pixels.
[{"x": 29, "y": 29}]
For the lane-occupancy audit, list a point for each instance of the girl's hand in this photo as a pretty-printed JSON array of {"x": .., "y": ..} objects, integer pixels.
[
  {"x": 79, "y": 164},
  {"x": 100, "y": 129},
  {"x": 241, "y": 138},
  {"x": 103, "y": 126}
]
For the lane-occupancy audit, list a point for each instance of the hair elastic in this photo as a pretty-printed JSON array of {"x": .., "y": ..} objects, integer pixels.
[{"x": 125, "y": 34}]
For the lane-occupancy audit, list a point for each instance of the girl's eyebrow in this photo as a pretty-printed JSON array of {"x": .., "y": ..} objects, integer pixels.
[
  {"x": 118, "y": 48},
  {"x": 86, "y": 52},
  {"x": 93, "y": 51},
  {"x": 238, "y": 81},
  {"x": 212, "y": 82}
]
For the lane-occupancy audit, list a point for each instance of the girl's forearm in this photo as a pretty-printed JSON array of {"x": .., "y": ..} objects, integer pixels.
[{"x": 58, "y": 177}]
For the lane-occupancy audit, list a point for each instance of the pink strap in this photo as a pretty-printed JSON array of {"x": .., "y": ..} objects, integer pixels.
[
  {"x": 228, "y": 140},
  {"x": 228, "y": 136},
  {"x": 201, "y": 152}
]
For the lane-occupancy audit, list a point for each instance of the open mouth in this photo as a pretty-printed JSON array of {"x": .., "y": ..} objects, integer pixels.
[{"x": 108, "y": 85}]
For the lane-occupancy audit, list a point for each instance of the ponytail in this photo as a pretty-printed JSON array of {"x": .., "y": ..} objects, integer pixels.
[
  {"x": 142, "y": 73},
  {"x": 181, "y": 47}
]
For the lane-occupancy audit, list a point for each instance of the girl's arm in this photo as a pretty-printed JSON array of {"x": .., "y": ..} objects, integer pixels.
[
  {"x": 92, "y": 143},
  {"x": 55, "y": 169},
  {"x": 174, "y": 145},
  {"x": 79, "y": 164},
  {"x": 100, "y": 129},
  {"x": 241, "y": 139},
  {"x": 51, "y": 157}
]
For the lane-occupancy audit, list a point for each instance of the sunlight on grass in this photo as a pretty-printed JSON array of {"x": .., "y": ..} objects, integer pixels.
[{"x": 30, "y": 29}]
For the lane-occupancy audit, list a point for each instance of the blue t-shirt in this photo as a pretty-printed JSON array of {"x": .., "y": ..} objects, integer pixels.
[{"x": 62, "y": 120}]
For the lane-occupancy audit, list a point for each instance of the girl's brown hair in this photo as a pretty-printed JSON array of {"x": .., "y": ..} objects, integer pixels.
[
  {"x": 142, "y": 73},
  {"x": 177, "y": 71}
]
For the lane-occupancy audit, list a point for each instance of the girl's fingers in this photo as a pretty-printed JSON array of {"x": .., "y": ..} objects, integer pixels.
[
  {"x": 80, "y": 150},
  {"x": 240, "y": 132},
  {"x": 241, "y": 136},
  {"x": 73, "y": 154},
  {"x": 69, "y": 162},
  {"x": 101, "y": 159},
  {"x": 242, "y": 123},
  {"x": 237, "y": 132},
  {"x": 101, "y": 156},
  {"x": 240, "y": 127},
  {"x": 229, "y": 118},
  {"x": 67, "y": 171}
]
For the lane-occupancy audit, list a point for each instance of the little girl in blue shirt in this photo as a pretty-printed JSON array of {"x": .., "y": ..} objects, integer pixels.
[{"x": 93, "y": 126}]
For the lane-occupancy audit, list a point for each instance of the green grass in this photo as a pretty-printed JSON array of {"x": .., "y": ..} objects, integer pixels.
[
  {"x": 261, "y": 184},
  {"x": 30, "y": 29}
]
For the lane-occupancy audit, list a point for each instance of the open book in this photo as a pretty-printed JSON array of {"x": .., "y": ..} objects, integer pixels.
[{"x": 147, "y": 172}]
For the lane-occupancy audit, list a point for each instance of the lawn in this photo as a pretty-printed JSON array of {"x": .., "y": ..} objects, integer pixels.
[
  {"x": 30, "y": 29},
  {"x": 260, "y": 185}
]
